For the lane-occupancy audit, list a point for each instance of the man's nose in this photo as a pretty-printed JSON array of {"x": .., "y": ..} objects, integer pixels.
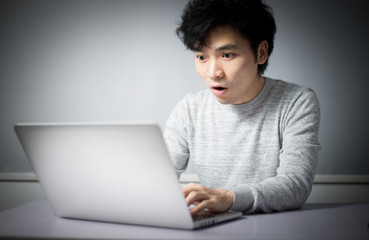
[{"x": 215, "y": 71}]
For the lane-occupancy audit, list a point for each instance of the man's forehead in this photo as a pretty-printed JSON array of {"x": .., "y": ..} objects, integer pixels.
[
  {"x": 223, "y": 38},
  {"x": 227, "y": 46}
]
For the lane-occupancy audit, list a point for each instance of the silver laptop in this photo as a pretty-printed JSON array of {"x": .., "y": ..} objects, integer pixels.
[{"x": 110, "y": 172}]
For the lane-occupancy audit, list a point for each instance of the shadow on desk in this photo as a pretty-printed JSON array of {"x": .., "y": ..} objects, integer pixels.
[
  {"x": 36, "y": 220},
  {"x": 304, "y": 208},
  {"x": 317, "y": 206}
]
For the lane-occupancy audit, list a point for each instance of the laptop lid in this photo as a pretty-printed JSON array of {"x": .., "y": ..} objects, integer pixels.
[{"x": 108, "y": 172}]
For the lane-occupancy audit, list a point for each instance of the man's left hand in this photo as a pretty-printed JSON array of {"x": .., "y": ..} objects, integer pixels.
[{"x": 215, "y": 200}]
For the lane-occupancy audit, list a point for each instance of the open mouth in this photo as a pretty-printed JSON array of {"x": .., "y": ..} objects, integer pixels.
[{"x": 218, "y": 90}]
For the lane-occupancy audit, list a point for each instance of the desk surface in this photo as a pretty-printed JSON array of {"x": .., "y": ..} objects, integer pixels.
[{"x": 313, "y": 221}]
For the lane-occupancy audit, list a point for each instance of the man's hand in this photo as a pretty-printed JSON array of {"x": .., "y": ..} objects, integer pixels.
[{"x": 215, "y": 200}]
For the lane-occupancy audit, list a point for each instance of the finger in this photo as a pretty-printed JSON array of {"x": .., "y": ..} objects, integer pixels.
[
  {"x": 196, "y": 197},
  {"x": 190, "y": 187},
  {"x": 209, "y": 204},
  {"x": 199, "y": 207}
]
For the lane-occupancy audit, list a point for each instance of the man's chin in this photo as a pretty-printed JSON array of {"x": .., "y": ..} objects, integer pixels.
[{"x": 223, "y": 100}]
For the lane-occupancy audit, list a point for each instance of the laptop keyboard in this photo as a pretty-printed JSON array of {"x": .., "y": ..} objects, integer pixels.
[{"x": 202, "y": 215}]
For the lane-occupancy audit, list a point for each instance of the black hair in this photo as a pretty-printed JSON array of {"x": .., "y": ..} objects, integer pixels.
[{"x": 251, "y": 18}]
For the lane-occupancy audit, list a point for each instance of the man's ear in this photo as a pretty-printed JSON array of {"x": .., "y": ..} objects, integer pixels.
[{"x": 262, "y": 52}]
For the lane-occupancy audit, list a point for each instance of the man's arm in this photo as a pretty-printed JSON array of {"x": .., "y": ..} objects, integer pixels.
[
  {"x": 292, "y": 184},
  {"x": 298, "y": 159},
  {"x": 175, "y": 136}
]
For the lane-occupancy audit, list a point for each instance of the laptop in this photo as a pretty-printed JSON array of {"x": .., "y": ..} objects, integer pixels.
[{"x": 116, "y": 172}]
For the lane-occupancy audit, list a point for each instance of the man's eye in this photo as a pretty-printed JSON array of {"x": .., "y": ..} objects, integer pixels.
[
  {"x": 228, "y": 55},
  {"x": 201, "y": 58}
]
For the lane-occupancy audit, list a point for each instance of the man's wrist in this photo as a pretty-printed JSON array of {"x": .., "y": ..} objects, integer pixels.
[{"x": 228, "y": 197}]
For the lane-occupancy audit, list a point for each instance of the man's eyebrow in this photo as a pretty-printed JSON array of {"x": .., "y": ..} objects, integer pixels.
[{"x": 229, "y": 46}]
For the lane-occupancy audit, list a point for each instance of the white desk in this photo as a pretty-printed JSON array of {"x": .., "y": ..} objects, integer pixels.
[{"x": 313, "y": 221}]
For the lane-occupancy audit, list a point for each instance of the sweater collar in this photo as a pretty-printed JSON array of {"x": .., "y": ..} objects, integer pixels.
[{"x": 253, "y": 103}]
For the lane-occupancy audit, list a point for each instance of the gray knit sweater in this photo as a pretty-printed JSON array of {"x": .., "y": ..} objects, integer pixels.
[{"x": 264, "y": 151}]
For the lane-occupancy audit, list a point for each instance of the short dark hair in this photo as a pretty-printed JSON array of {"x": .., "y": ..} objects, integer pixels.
[{"x": 251, "y": 18}]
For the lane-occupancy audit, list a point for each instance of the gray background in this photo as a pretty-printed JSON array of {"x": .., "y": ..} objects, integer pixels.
[{"x": 121, "y": 61}]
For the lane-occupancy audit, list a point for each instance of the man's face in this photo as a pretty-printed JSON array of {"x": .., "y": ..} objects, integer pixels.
[{"x": 229, "y": 66}]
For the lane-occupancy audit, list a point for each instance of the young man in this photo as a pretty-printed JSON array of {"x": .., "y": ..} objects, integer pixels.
[{"x": 253, "y": 140}]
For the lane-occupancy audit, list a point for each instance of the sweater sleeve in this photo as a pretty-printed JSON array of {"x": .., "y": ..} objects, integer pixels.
[
  {"x": 298, "y": 159},
  {"x": 175, "y": 136}
]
